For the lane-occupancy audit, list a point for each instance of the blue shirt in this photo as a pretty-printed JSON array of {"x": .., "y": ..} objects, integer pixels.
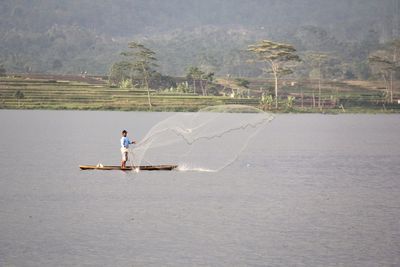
[{"x": 125, "y": 142}]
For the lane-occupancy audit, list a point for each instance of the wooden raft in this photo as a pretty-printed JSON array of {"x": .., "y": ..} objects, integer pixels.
[{"x": 128, "y": 168}]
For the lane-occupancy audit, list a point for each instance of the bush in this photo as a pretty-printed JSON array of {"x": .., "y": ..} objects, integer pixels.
[
  {"x": 125, "y": 84},
  {"x": 213, "y": 91},
  {"x": 2, "y": 71}
]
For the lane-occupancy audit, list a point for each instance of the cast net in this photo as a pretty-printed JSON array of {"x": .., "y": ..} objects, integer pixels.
[{"x": 208, "y": 140}]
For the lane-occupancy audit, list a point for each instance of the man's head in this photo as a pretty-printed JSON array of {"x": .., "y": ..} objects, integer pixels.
[{"x": 124, "y": 133}]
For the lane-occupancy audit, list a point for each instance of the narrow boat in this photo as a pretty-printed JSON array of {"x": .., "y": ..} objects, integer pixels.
[{"x": 129, "y": 168}]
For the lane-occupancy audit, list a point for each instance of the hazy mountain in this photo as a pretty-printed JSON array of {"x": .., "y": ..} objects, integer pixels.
[{"x": 75, "y": 35}]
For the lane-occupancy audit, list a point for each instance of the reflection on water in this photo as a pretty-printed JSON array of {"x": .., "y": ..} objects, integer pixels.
[{"x": 312, "y": 190}]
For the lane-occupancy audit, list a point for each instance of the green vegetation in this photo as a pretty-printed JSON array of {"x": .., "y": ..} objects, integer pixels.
[
  {"x": 387, "y": 63},
  {"x": 50, "y": 94},
  {"x": 141, "y": 66},
  {"x": 338, "y": 63},
  {"x": 276, "y": 56},
  {"x": 196, "y": 76},
  {"x": 319, "y": 63},
  {"x": 27, "y": 92},
  {"x": 71, "y": 37},
  {"x": 2, "y": 71}
]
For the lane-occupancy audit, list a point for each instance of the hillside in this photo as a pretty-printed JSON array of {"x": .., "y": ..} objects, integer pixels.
[{"x": 70, "y": 37}]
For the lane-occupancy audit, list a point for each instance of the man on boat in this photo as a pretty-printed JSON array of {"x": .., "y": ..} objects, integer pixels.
[{"x": 125, "y": 142}]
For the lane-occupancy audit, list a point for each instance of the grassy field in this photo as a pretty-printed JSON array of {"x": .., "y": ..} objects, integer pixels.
[
  {"x": 48, "y": 92},
  {"x": 59, "y": 94}
]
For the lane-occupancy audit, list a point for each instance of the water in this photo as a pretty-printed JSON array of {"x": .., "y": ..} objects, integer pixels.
[{"x": 312, "y": 190}]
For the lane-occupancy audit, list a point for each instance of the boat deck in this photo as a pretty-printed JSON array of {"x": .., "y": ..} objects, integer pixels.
[{"x": 129, "y": 168}]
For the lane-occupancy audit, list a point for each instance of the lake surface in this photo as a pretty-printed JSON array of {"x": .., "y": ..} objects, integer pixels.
[{"x": 312, "y": 190}]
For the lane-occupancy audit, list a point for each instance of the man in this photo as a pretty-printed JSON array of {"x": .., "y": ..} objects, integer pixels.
[{"x": 125, "y": 142}]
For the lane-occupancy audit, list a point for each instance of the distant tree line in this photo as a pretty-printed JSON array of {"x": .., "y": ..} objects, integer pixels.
[
  {"x": 71, "y": 37},
  {"x": 271, "y": 58}
]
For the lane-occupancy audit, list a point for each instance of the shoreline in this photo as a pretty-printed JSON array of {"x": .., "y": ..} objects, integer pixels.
[
  {"x": 92, "y": 93},
  {"x": 189, "y": 109}
]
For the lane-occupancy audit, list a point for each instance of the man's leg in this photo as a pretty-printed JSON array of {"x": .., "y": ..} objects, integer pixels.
[{"x": 123, "y": 161}]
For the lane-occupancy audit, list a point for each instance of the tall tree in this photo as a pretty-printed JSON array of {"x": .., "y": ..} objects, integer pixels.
[
  {"x": 276, "y": 56},
  {"x": 143, "y": 62},
  {"x": 387, "y": 63},
  {"x": 195, "y": 74},
  {"x": 318, "y": 61},
  {"x": 119, "y": 72}
]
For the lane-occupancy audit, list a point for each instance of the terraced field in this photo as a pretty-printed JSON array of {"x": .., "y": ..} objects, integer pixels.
[
  {"x": 58, "y": 94},
  {"x": 70, "y": 92},
  {"x": 352, "y": 95}
]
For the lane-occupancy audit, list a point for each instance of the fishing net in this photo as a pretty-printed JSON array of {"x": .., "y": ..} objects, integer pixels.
[{"x": 208, "y": 140}]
